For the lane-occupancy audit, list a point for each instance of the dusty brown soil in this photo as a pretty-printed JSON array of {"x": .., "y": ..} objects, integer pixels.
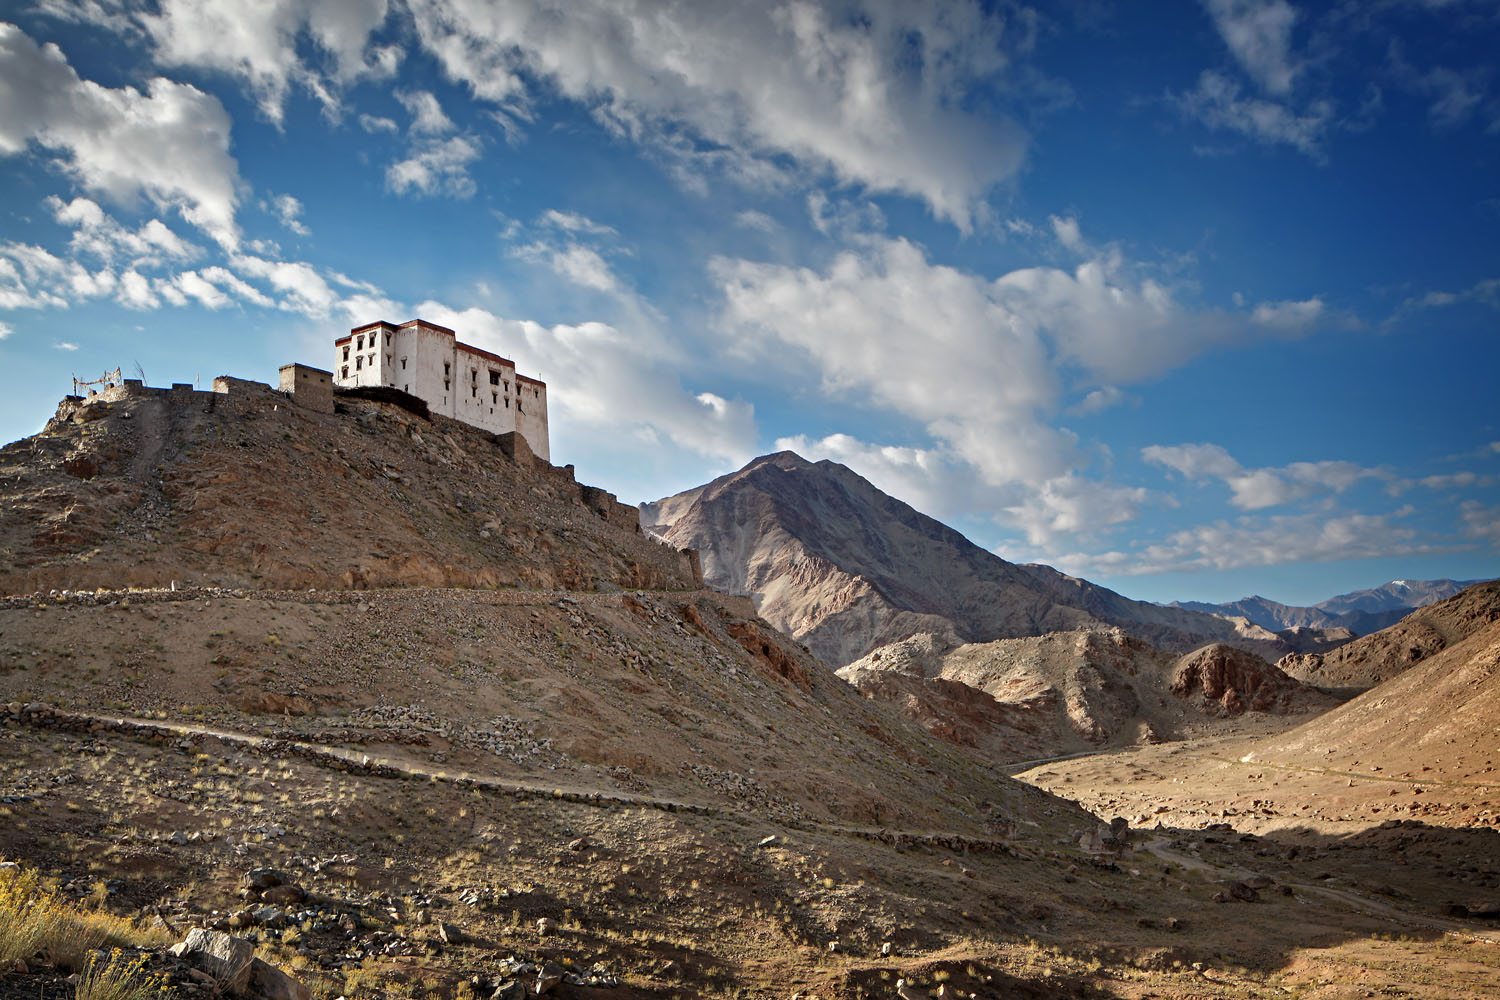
[{"x": 657, "y": 885}]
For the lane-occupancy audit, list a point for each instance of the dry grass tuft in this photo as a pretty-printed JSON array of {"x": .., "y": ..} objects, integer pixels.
[
  {"x": 117, "y": 976},
  {"x": 35, "y": 920}
]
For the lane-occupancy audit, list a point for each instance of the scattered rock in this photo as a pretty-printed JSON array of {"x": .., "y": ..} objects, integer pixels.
[
  {"x": 1242, "y": 892},
  {"x": 270, "y": 983},
  {"x": 284, "y": 895},
  {"x": 225, "y": 958},
  {"x": 549, "y": 978},
  {"x": 265, "y": 878}
]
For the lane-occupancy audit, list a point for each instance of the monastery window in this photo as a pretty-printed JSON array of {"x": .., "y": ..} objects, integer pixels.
[
  {"x": 406, "y": 388},
  {"x": 372, "y": 360},
  {"x": 359, "y": 362},
  {"x": 387, "y": 359},
  {"x": 507, "y": 402},
  {"x": 361, "y": 344},
  {"x": 346, "y": 352},
  {"x": 403, "y": 364},
  {"x": 494, "y": 377},
  {"x": 445, "y": 389},
  {"x": 345, "y": 372},
  {"x": 474, "y": 391},
  {"x": 473, "y": 374},
  {"x": 494, "y": 398}
]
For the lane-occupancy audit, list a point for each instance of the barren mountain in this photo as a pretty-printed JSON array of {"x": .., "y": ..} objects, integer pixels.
[
  {"x": 841, "y": 566},
  {"x": 1371, "y": 659},
  {"x": 1362, "y": 611},
  {"x": 1065, "y": 692}
]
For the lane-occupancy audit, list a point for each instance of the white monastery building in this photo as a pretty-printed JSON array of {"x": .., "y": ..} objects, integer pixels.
[{"x": 427, "y": 361}]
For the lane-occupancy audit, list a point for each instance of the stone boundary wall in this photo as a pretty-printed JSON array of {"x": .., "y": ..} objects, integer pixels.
[
  {"x": 737, "y": 607},
  {"x": 190, "y": 739},
  {"x": 609, "y": 507}
]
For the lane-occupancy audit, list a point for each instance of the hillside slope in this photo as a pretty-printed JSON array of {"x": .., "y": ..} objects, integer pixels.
[
  {"x": 1374, "y": 658},
  {"x": 1436, "y": 718},
  {"x": 841, "y": 566}
]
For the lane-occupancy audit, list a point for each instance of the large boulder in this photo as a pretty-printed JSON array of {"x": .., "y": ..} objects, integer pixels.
[
  {"x": 226, "y": 958},
  {"x": 269, "y": 983}
]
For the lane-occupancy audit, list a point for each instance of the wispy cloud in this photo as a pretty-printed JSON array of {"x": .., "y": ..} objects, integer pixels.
[
  {"x": 1260, "y": 541},
  {"x": 1259, "y": 34},
  {"x": 1255, "y": 489},
  {"x": 1219, "y": 103}
]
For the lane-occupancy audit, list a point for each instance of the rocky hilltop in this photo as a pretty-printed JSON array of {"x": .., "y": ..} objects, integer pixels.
[
  {"x": 246, "y": 488},
  {"x": 845, "y": 568},
  {"x": 1372, "y": 659}
]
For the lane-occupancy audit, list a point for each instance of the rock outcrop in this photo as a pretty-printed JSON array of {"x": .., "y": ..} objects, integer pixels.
[
  {"x": 248, "y": 489},
  {"x": 1222, "y": 680},
  {"x": 1023, "y": 699}
]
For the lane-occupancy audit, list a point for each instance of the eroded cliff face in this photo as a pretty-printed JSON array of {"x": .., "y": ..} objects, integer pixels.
[
  {"x": 1064, "y": 692},
  {"x": 844, "y": 568},
  {"x": 1222, "y": 680}
]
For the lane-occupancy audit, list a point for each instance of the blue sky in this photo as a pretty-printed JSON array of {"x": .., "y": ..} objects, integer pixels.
[{"x": 1197, "y": 304}]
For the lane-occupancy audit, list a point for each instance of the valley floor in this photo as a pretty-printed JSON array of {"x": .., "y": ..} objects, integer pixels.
[{"x": 688, "y": 807}]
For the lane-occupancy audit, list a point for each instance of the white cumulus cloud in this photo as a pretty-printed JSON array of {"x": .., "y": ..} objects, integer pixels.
[
  {"x": 169, "y": 145},
  {"x": 871, "y": 93}
]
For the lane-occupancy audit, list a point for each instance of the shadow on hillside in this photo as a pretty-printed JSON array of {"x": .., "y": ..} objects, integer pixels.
[{"x": 1405, "y": 879}]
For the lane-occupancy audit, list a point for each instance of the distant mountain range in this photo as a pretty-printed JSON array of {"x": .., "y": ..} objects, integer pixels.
[
  {"x": 834, "y": 562},
  {"x": 1362, "y": 612}
]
